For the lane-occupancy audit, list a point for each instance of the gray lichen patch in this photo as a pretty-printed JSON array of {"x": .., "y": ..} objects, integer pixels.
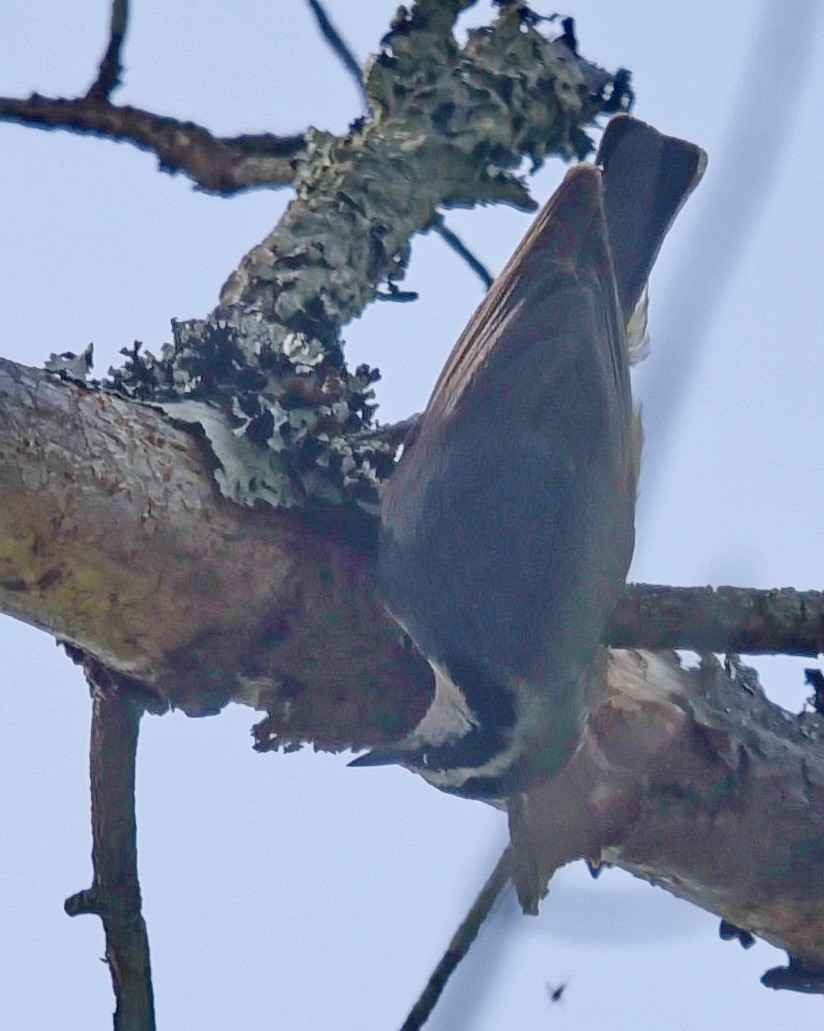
[
  {"x": 286, "y": 419},
  {"x": 264, "y": 376}
]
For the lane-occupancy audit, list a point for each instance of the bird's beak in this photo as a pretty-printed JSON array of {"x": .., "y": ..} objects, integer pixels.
[{"x": 385, "y": 755}]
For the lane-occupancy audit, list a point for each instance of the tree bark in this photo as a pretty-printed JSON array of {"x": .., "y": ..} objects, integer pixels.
[
  {"x": 694, "y": 781},
  {"x": 115, "y": 538}
]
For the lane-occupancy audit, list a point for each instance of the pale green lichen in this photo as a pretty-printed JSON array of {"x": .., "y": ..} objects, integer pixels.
[{"x": 264, "y": 375}]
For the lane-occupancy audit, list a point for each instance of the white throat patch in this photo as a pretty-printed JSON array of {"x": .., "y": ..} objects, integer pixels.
[{"x": 449, "y": 717}]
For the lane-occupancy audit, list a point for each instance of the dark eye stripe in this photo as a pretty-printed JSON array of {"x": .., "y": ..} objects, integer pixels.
[{"x": 473, "y": 751}]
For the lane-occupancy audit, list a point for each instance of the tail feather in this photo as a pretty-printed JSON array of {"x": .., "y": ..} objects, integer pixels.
[{"x": 647, "y": 178}]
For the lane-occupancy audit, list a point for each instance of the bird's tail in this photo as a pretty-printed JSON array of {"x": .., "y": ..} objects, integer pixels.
[{"x": 647, "y": 178}]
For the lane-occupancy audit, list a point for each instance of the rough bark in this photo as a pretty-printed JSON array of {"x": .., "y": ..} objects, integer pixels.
[
  {"x": 114, "y": 537},
  {"x": 115, "y": 892},
  {"x": 720, "y": 619},
  {"x": 693, "y": 781}
]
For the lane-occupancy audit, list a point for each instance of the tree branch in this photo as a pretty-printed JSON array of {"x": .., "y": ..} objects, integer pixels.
[
  {"x": 338, "y": 45},
  {"x": 111, "y": 68},
  {"x": 719, "y": 619},
  {"x": 113, "y": 536},
  {"x": 115, "y": 892},
  {"x": 455, "y": 243},
  {"x": 461, "y": 942},
  {"x": 694, "y": 781},
  {"x": 428, "y": 144},
  {"x": 223, "y": 165}
]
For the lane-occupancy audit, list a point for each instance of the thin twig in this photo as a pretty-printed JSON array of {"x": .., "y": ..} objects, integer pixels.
[
  {"x": 459, "y": 946},
  {"x": 459, "y": 247},
  {"x": 115, "y": 892},
  {"x": 223, "y": 165},
  {"x": 719, "y": 619},
  {"x": 337, "y": 43},
  {"x": 111, "y": 67}
]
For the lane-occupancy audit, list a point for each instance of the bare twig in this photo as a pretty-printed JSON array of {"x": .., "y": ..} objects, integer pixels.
[
  {"x": 111, "y": 67},
  {"x": 223, "y": 165},
  {"x": 719, "y": 619},
  {"x": 459, "y": 946},
  {"x": 459, "y": 247},
  {"x": 337, "y": 43},
  {"x": 115, "y": 892}
]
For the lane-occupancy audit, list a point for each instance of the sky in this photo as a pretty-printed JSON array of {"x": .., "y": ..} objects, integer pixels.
[{"x": 288, "y": 891}]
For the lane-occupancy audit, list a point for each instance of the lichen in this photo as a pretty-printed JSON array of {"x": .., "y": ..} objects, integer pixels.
[{"x": 264, "y": 376}]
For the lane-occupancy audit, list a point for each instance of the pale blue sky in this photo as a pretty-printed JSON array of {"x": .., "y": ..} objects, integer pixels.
[{"x": 290, "y": 892}]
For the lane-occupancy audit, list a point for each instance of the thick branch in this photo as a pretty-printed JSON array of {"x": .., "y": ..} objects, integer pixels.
[
  {"x": 694, "y": 781},
  {"x": 113, "y": 536},
  {"x": 115, "y": 892}
]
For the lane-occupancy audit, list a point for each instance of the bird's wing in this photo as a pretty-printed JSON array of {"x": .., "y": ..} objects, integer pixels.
[{"x": 567, "y": 232}]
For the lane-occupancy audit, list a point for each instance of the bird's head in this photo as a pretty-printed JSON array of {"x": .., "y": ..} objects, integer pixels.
[{"x": 484, "y": 736}]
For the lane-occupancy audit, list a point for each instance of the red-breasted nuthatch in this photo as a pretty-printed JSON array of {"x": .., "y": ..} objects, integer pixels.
[{"x": 508, "y": 525}]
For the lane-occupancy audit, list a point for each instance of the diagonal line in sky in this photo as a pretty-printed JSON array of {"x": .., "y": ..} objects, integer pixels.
[{"x": 738, "y": 186}]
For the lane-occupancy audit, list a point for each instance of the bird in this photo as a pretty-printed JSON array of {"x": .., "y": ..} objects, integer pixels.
[{"x": 507, "y": 526}]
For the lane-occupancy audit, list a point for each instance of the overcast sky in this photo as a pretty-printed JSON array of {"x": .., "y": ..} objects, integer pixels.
[{"x": 287, "y": 891}]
